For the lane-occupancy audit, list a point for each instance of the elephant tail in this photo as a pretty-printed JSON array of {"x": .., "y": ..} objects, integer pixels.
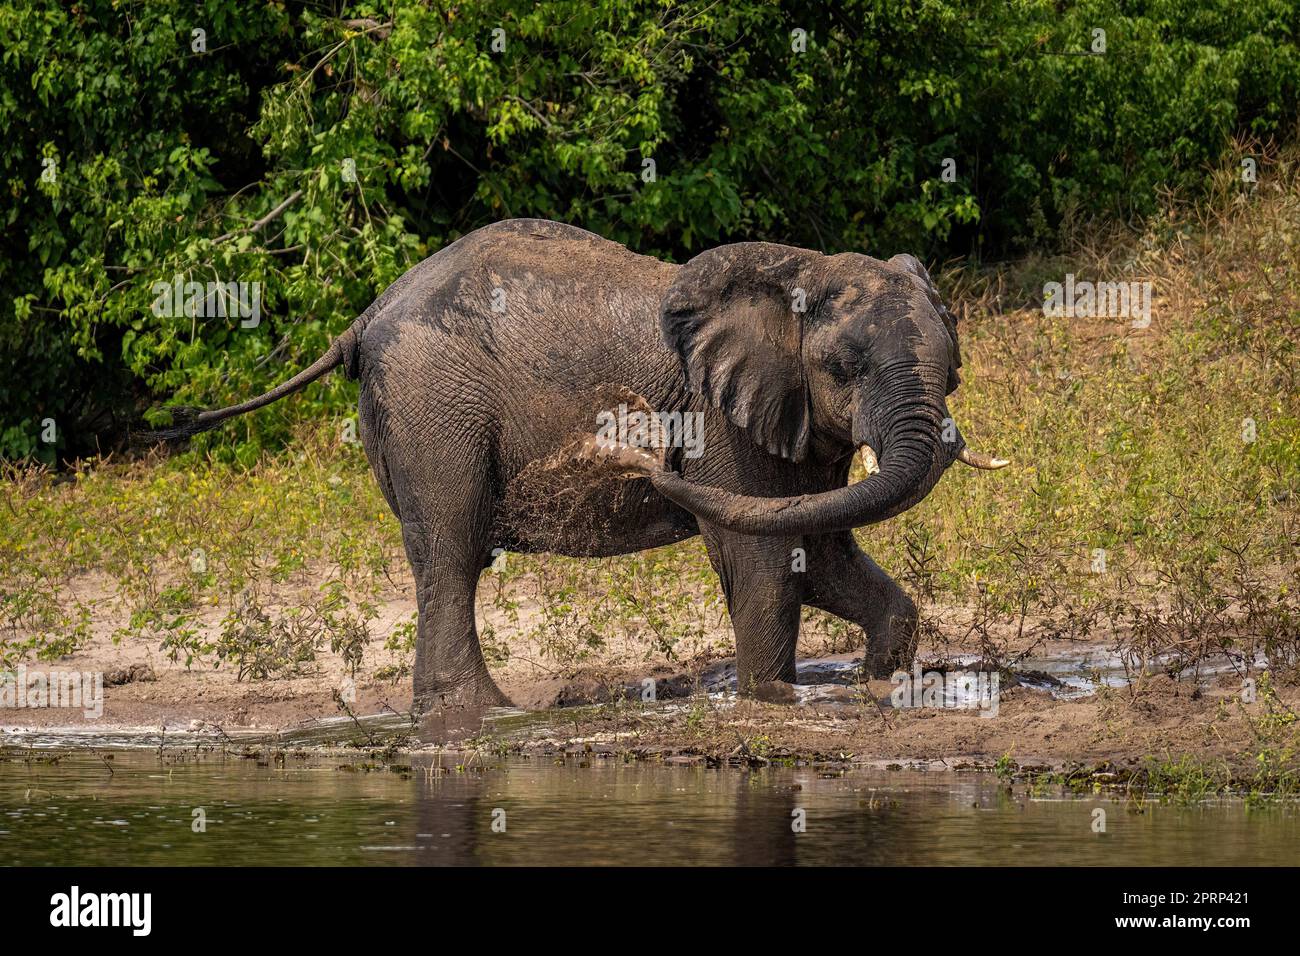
[{"x": 188, "y": 421}]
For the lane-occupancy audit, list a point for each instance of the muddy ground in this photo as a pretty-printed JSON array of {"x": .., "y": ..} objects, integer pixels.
[{"x": 595, "y": 705}]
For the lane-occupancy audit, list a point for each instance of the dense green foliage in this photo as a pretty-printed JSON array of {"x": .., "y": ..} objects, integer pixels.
[{"x": 133, "y": 153}]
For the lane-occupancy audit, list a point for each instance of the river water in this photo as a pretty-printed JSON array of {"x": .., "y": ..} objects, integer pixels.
[{"x": 142, "y": 807}]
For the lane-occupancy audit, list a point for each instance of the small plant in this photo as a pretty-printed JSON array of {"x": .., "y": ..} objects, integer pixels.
[
  {"x": 1186, "y": 780},
  {"x": 696, "y": 716},
  {"x": 261, "y": 647},
  {"x": 35, "y": 622},
  {"x": 1006, "y": 768},
  {"x": 392, "y": 673},
  {"x": 1276, "y": 768},
  {"x": 402, "y": 637}
]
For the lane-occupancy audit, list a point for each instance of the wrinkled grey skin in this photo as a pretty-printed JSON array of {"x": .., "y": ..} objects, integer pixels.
[{"x": 469, "y": 415}]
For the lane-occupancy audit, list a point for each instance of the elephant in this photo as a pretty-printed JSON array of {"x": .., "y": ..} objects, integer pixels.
[{"x": 485, "y": 370}]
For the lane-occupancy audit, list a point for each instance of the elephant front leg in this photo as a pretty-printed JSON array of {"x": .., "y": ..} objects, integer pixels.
[
  {"x": 763, "y": 598},
  {"x": 843, "y": 580}
]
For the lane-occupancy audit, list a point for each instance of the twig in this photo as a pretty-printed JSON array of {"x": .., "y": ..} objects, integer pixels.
[
  {"x": 366, "y": 25},
  {"x": 262, "y": 223}
]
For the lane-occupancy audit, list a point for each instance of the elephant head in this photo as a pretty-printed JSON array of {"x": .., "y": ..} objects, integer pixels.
[{"x": 817, "y": 356}]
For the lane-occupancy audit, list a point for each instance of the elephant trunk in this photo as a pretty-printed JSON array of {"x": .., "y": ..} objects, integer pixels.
[{"x": 910, "y": 411}]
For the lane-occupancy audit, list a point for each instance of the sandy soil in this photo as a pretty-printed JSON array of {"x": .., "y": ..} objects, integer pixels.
[{"x": 589, "y": 710}]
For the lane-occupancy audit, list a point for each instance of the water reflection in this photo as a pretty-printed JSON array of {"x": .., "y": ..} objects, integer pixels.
[{"x": 139, "y": 809}]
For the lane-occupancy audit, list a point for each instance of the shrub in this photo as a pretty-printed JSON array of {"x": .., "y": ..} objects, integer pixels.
[{"x": 322, "y": 152}]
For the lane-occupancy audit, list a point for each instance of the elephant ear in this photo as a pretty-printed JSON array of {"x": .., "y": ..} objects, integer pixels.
[
  {"x": 735, "y": 316},
  {"x": 913, "y": 265}
]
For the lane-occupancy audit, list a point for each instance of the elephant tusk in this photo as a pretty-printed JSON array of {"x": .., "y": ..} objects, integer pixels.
[
  {"x": 869, "y": 461},
  {"x": 978, "y": 460}
]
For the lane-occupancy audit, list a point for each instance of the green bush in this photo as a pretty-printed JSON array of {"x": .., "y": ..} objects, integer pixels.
[{"x": 170, "y": 160}]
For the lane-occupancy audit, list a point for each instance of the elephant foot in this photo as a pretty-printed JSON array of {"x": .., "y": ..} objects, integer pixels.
[
  {"x": 455, "y": 715},
  {"x": 775, "y": 692},
  {"x": 475, "y": 694},
  {"x": 891, "y": 645}
]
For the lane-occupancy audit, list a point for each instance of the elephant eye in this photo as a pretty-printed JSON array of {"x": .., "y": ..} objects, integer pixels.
[{"x": 845, "y": 365}]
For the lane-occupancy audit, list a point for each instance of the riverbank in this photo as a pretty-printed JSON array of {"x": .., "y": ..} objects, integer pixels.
[{"x": 1058, "y": 706}]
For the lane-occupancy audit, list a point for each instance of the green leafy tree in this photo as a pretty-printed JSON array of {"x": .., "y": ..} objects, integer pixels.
[{"x": 321, "y": 150}]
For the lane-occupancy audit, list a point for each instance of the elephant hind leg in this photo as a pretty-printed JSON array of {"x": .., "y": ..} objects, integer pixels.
[
  {"x": 843, "y": 580},
  {"x": 449, "y": 665},
  {"x": 446, "y": 527}
]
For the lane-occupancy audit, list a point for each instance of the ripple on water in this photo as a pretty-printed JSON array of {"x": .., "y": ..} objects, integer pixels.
[{"x": 518, "y": 811}]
